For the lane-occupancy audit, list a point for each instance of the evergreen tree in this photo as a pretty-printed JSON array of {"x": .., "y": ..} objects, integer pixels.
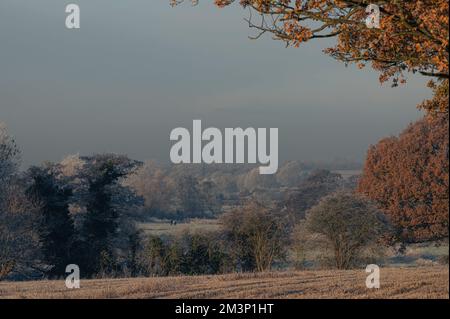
[
  {"x": 57, "y": 229},
  {"x": 104, "y": 199}
]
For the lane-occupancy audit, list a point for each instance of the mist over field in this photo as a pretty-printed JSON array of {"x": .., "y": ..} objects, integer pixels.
[{"x": 158, "y": 149}]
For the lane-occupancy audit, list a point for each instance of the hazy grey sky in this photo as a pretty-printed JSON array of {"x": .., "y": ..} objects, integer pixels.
[{"x": 138, "y": 68}]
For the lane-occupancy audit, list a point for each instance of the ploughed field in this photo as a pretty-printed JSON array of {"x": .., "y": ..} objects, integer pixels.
[{"x": 412, "y": 282}]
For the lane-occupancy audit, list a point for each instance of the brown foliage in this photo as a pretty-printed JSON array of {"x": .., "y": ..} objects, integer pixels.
[
  {"x": 413, "y": 35},
  {"x": 408, "y": 177},
  {"x": 439, "y": 103}
]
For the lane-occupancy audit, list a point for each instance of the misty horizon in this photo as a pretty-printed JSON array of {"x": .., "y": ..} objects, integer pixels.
[{"x": 136, "y": 70}]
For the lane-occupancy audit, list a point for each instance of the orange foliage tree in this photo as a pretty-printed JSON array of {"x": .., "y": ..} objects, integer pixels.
[
  {"x": 408, "y": 177},
  {"x": 412, "y": 35}
]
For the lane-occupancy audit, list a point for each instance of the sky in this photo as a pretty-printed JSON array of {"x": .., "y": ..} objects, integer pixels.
[{"x": 137, "y": 69}]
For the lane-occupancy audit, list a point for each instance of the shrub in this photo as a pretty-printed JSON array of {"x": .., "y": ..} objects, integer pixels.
[
  {"x": 349, "y": 223},
  {"x": 256, "y": 236},
  {"x": 189, "y": 254}
]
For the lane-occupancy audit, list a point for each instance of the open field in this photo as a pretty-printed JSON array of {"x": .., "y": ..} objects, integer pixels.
[
  {"x": 425, "y": 282},
  {"x": 163, "y": 227}
]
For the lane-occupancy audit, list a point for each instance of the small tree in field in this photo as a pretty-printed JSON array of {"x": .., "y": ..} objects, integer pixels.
[
  {"x": 349, "y": 223},
  {"x": 256, "y": 236}
]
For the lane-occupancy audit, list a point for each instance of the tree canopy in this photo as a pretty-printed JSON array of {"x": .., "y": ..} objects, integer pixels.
[{"x": 408, "y": 177}]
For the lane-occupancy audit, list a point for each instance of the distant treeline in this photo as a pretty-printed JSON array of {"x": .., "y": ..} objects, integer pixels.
[{"x": 84, "y": 210}]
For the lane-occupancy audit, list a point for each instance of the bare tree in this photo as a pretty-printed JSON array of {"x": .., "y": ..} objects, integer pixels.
[
  {"x": 256, "y": 235},
  {"x": 151, "y": 182},
  {"x": 9, "y": 155},
  {"x": 19, "y": 241},
  {"x": 349, "y": 222}
]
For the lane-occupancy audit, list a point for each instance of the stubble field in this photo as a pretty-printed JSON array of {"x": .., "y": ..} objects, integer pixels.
[{"x": 422, "y": 282}]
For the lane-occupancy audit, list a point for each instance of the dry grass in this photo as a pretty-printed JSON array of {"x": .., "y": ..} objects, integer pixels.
[
  {"x": 426, "y": 282},
  {"x": 159, "y": 228}
]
